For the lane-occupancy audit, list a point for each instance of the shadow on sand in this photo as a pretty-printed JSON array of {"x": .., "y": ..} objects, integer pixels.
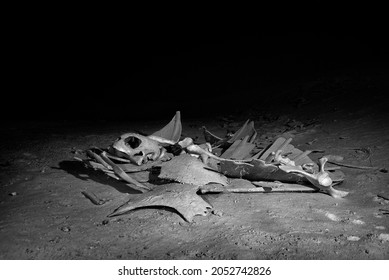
[{"x": 79, "y": 170}]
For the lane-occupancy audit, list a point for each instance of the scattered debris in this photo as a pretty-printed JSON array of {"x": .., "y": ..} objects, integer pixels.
[{"x": 169, "y": 171}]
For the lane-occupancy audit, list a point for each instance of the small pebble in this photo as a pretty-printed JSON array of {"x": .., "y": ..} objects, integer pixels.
[
  {"x": 217, "y": 213},
  {"x": 353, "y": 238},
  {"x": 377, "y": 215},
  {"x": 358, "y": 222},
  {"x": 65, "y": 229},
  {"x": 384, "y": 236},
  {"x": 105, "y": 222},
  {"x": 380, "y": 227},
  {"x": 332, "y": 217},
  {"x": 56, "y": 239},
  {"x": 13, "y": 193}
]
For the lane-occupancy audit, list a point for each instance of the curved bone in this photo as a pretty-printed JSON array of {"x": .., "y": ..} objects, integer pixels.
[
  {"x": 320, "y": 180},
  {"x": 172, "y": 130},
  {"x": 119, "y": 172}
]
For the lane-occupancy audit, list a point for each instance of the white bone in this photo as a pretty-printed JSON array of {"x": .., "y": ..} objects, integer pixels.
[
  {"x": 195, "y": 149},
  {"x": 139, "y": 149},
  {"x": 283, "y": 160},
  {"x": 320, "y": 180},
  {"x": 161, "y": 140}
]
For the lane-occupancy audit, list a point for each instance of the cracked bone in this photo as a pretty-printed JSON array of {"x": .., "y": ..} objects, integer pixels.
[{"x": 320, "y": 180}]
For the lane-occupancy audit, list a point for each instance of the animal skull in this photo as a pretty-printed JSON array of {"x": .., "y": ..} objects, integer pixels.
[{"x": 137, "y": 148}]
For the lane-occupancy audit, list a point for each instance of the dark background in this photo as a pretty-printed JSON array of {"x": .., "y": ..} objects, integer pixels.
[{"x": 88, "y": 73}]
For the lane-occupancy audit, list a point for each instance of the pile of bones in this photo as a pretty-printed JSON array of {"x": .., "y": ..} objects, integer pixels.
[{"x": 171, "y": 172}]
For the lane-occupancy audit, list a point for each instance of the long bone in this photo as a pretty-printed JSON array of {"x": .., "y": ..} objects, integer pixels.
[
  {"x": 320, "y": 180},
  {"x": 188, "y": 145}
]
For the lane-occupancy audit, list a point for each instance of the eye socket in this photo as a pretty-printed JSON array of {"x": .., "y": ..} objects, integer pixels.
[{"x": 133, "y": 142}]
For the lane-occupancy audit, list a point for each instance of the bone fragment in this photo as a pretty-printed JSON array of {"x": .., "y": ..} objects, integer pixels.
[
  {"x": 240, "y": 149},
  {"x": 285, "y": 144},
  {"x": 278, "y": 143},
  {"x": 283, "y": 160},
  {"x": 320, "y": 180},
  {"x": 190, "y": 170},
  {"x": 195, "y": 149},
  {"x": 161, "y": 140},
  {"x": 186, "y": 142},
  {"x": 300, "y": 156},
  {"x": 181, "y": 197},
  {"x": 210, "y": 137},
  {"x": 246, "y": 129},
  {"x": 172, "y": 131}
]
